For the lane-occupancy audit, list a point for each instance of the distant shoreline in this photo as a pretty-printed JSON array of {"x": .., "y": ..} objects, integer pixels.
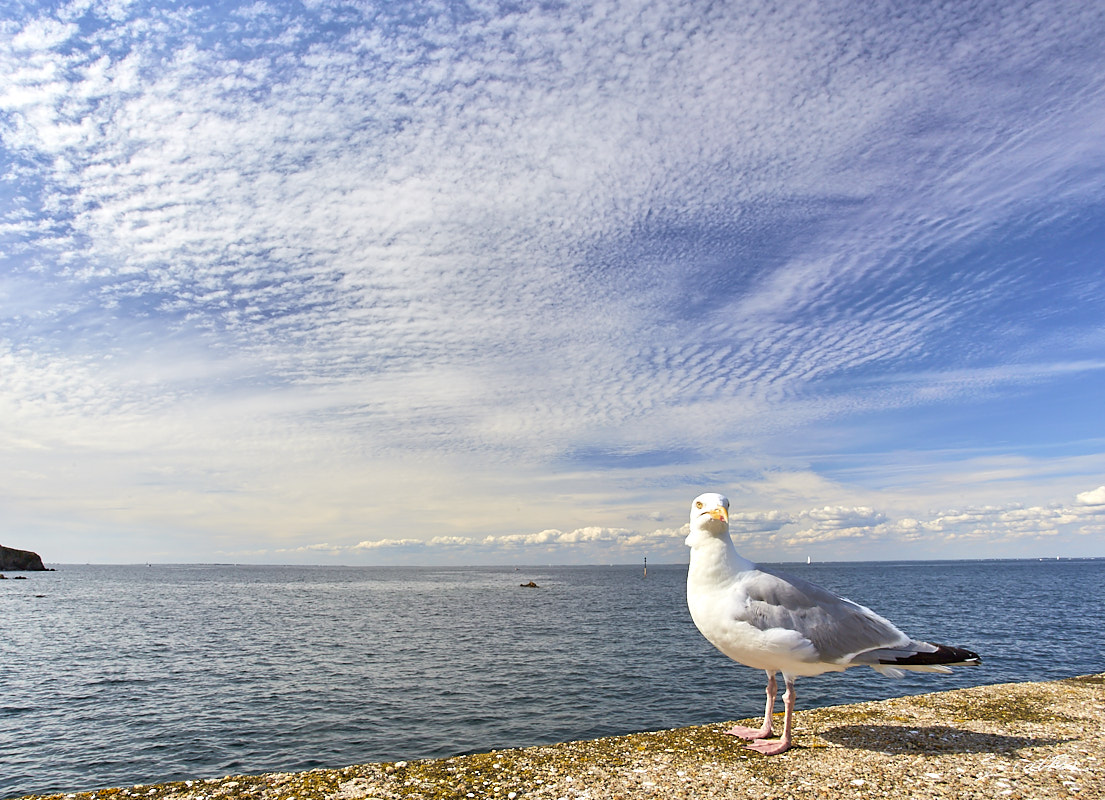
[{"x": 1015, "y": 739}]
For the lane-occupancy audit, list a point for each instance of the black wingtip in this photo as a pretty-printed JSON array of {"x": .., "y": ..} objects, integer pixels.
[{"x": 944, "y": 655}]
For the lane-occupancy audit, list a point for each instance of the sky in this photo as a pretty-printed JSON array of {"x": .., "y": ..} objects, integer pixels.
[{"x": 512, "y": 283}]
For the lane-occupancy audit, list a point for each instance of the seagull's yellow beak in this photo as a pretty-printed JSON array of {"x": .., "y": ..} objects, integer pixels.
[{"x": 720, "y": 513}]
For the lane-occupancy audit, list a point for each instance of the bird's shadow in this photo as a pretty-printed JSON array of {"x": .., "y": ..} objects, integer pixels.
[{"x": 928, "y": 739}]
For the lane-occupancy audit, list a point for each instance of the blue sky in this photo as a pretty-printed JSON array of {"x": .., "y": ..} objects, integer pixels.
[{"x": 512, "y": 283}]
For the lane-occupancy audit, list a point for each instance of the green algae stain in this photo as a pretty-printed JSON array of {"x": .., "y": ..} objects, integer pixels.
[
  {"x": 495, "y": 774},
  {"x": 1011, "y": 709}
]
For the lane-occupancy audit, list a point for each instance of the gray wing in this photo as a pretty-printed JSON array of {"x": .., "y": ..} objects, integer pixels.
[{"x": 838, "y": 628}]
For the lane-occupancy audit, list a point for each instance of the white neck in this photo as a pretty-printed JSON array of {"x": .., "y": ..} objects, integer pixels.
[{"x": 714, "y": 559}]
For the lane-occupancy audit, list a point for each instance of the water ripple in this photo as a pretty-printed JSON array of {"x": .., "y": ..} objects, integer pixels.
[{"x": 123, "y": 675}]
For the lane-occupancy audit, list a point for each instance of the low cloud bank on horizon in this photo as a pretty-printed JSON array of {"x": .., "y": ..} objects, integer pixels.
[
  {"x": 828, "y": 531},
  {"x": 457, "y": 280}
]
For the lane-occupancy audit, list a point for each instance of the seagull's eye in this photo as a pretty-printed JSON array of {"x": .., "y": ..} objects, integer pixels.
[{"x": 698, "y": 504}]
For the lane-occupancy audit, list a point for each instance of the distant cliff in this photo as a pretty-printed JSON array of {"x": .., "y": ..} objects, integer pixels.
[{"x": 20, "y": 560}]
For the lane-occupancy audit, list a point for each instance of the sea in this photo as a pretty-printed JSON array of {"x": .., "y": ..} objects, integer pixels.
[{"x": 123, "y": 675}]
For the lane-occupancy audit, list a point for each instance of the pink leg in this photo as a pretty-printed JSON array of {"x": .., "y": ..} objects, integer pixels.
[
  {"x": 782, "y": 744},
  {"x": 765, "y": 730}
]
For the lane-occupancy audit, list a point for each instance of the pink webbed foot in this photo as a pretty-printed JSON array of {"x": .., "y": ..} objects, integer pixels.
[
  {"x": 769, "y": 748},
  {"x": 749, "y": 733}
]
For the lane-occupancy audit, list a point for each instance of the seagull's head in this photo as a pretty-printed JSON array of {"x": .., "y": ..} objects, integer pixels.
[{"x": 710, "y": 515}]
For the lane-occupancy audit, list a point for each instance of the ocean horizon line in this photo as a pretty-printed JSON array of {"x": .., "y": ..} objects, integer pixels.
[{"x": 54, "y": 565}]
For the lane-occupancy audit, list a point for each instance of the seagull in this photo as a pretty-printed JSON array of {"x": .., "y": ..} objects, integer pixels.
[{"x": 777, "y": 623}]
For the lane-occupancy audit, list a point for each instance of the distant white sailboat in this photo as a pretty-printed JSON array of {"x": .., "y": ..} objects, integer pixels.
[{"x": 808, "y": 560}]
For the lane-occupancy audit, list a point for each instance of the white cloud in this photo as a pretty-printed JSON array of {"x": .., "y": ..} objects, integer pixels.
[
  {"x": 948, "y": 534},
  {"x": 389, "y": 543},
  {"x": 305, "y": 263},
  {"x": 451, "y": 541},
  {"x": 580, "y": 536},
  {"x": 840, "y": 517},
  {"x": 756, "y": 521},
  {"x": 1094, "y": 497}
]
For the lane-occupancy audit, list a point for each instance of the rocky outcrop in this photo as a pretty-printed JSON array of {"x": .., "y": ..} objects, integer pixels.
[{"x": 20, "y": 560}]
